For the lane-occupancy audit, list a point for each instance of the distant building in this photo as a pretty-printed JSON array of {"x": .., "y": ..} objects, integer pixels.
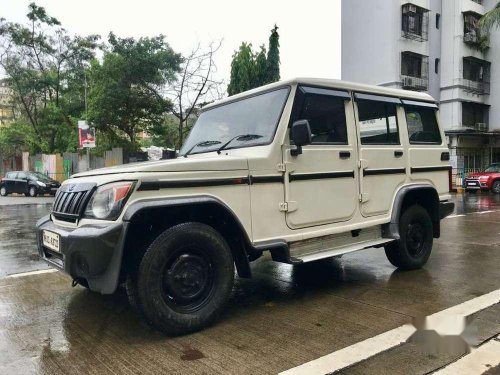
[
  {"x": 6, "y": 106},
  {"x": 433, "y": 46}
]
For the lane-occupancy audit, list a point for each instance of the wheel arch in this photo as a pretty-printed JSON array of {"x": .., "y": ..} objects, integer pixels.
[
  {"x": 421, "y": 194},
  {"x": 153, "y": 216}
]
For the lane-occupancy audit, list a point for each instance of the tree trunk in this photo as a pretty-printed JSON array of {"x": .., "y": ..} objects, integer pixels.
[{"x": 181, "y": 135}]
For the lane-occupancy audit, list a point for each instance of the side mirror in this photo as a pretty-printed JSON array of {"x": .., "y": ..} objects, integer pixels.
[{"x": 301, "y": 136}]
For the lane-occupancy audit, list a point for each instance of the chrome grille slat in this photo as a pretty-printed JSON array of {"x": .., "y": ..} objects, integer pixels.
[{"x": 70, "y": 201}]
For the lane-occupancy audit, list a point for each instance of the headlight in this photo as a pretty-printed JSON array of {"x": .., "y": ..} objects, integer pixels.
[
  {"x": 40, "y": 183},
  {"x": 483, "y": 178},
  {"x": 108, "y": 200}
]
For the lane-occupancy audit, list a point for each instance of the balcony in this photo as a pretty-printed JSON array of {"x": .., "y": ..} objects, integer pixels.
[
  {"x": 472, "y": 32},
  {"x": 475, "y": 116},
  {"x": 476, "y": 76}
]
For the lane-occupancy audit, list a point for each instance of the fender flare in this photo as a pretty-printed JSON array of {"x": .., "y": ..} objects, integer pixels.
[
  {"x": 240, "y": 257},
  {"x": 391, "y": 230}
]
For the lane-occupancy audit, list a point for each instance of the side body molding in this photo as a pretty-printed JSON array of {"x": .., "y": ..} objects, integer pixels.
[{"x": 418, "y": 191}]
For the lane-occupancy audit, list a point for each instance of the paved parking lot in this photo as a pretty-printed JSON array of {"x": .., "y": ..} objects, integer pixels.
[{"x": 283, "y": 318}]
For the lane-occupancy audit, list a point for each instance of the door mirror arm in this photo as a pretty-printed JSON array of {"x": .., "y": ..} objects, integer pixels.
[{"x": 301, "y": 136}]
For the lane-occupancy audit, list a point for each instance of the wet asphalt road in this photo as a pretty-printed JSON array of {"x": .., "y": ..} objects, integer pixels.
[{"x": 283, "y": 317}]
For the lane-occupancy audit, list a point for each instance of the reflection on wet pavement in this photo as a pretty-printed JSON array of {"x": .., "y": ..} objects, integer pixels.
[{"x": 281, "y": 318}]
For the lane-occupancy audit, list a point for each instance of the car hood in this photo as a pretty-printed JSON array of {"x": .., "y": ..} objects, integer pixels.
[
  {"x": 212, "y": 162},
  {"x": 482, "y": 174}
]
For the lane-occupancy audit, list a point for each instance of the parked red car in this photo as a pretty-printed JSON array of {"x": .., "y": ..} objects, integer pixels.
[{"x": 487, "y": 180}]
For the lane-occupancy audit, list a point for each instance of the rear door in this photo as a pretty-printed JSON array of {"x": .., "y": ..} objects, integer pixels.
[
  {"x": 383, "y": 160},
  {"x": 428, "y": 152},
  {"x": 10, "y": 181},
  {"x": 321, "y": 184}
]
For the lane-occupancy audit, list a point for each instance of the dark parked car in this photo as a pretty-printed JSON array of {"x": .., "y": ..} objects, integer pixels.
[{"x": 28, "y": 183}]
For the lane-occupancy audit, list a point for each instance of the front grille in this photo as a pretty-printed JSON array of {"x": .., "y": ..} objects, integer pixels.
[{"x": 71, "y": 201}]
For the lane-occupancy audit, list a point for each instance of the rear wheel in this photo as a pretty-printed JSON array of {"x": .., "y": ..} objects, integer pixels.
[
  {"x": 3, "y": 191},
  {"x": 184, "y": 279},
  {"x": 414, "y": 247},
  {"x": 495, "y": 188}
]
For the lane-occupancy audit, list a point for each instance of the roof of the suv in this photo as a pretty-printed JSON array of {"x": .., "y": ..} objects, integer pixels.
[{"x": 334, "y": 84}]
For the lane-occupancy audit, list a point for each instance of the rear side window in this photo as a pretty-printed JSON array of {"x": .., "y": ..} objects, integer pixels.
[
  {"x": 326, "y": 115},
  {"x": 11, "y": 175},
  {"x": 422, "y": 125},
  {"x": 378, "y": 124}
]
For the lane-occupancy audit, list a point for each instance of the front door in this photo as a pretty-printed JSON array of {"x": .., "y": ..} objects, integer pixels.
[
  {"x": 383, "y": 160},
  {"x": 321, "y": 183},
  {"x": 22, "y": 183}
]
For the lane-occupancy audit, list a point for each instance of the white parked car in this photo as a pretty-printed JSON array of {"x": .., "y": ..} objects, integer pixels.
[{"x": 305, "y": 169}]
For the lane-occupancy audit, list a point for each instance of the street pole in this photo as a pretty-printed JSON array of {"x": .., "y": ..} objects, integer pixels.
[{"x": 86, "y": 119}]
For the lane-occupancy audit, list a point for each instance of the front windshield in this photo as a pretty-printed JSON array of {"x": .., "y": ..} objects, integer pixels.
[
  {"x": 257, "y": 115},
  {"x": 495, "y": 168}
]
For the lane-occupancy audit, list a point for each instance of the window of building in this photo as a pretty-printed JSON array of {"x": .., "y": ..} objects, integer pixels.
[
  {"x": 472, "y": 32},
  {"x": 438, "y": 20},
  {"x": 415, "y": 22},
  {"x": 326, "y": 115},
  {"x": 476, "y": 75},
  {"x": 414, "y": 71},
  {"x": 436, "y": 65},
  {"x": 475, "y": 116},
  {"x": 422, "y": 125},
  {"x": 378, "y": 123}
]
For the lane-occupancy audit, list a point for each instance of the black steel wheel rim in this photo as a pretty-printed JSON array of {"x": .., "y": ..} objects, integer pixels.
[
  {"x": 415, "y": 239},
  {"x": 188, "y": 280}
]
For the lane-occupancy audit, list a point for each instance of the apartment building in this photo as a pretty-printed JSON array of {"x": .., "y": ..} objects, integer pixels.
[{"x": 433, "y": 46}]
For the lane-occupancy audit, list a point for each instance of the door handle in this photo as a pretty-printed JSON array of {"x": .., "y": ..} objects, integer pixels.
[
  {"x": 398, "y": 154},
  {"x": 344, "y": 154}
]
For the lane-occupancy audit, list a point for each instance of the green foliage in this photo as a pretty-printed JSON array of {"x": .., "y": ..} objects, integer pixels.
[
  {"x": 250, "y": 69},
  {"x": 491, "y": 19},
  {"x": 273, "y": 57},
  {"x": 123, "y": 97},
  {"x": 45, "y": 68}
]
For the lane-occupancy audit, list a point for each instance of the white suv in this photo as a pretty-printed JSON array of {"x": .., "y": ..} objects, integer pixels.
[{"x": 305, "y": 169}]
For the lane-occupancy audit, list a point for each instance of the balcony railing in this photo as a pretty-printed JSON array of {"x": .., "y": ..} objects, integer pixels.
[
  {"x": 415, "y": 83},
  {"x": 478, "y": 1},
  {"x": 476, "y": 87}
]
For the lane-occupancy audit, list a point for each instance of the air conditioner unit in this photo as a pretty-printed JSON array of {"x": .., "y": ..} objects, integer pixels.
[
  {"x": 410, "y": 8},
  {"x": 408, "y": 82},
  {"x": 481, "y": 127}
]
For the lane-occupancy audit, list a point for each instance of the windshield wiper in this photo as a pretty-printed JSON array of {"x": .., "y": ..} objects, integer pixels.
[
  {"x": 201, "y": 144},
  {"x": 241, "y": 138}
]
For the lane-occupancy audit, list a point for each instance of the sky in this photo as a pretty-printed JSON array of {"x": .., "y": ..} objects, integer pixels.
[{"x": 309, "y": 30}]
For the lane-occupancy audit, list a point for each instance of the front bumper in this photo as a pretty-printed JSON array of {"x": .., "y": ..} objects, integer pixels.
[
  {"x": 91, "y": 252},
  {"x": 446, "y": 208}
]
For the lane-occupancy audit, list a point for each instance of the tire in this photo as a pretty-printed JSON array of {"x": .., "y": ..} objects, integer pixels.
[
  {"x": 184, "y": 279},
  {"x": 32, "y": 192},
  {"x": 495, "y": 188},
  {"x": 3, "y": 191},
  {"x": 414, "y": 247}
]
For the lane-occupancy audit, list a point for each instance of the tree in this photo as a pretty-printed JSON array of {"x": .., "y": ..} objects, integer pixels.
[
  {"x": 122, "y": 99},
  {"x": 195, "y": 85},
  {"x": 250, "y": 70},
  {"x": 491, "y": 19},
  {"x": 45, "y": 68},
  {"x": 273, "y": 57}
]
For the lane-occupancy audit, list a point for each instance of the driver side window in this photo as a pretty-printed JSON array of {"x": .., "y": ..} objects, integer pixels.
[{"x": 422, "y": 125}]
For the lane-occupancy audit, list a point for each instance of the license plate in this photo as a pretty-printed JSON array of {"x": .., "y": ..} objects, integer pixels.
[
  {"x": 472, "y": 184},
  {"x": 50, "y": 240}
]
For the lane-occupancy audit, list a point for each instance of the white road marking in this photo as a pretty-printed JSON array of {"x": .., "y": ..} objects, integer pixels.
[
  {"x": 477, "y": 362},
  {"x": 453, "y": 216},
  {"x": 365, "y": 349},
  {"x": 24, "y": 274}
]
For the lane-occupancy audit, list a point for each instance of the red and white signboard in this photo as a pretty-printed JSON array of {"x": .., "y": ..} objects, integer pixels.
[{"x": 86, "y": 135}]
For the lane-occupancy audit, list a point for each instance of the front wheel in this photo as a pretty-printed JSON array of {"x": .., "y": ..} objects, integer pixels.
[
  {"x": 32, "y": 192},
  {"x": 185, "y": 278},
  {"x": 3, "y": 191},
  {"x": 495, "y": 188},
  {"x": 414, "y": 247}
]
